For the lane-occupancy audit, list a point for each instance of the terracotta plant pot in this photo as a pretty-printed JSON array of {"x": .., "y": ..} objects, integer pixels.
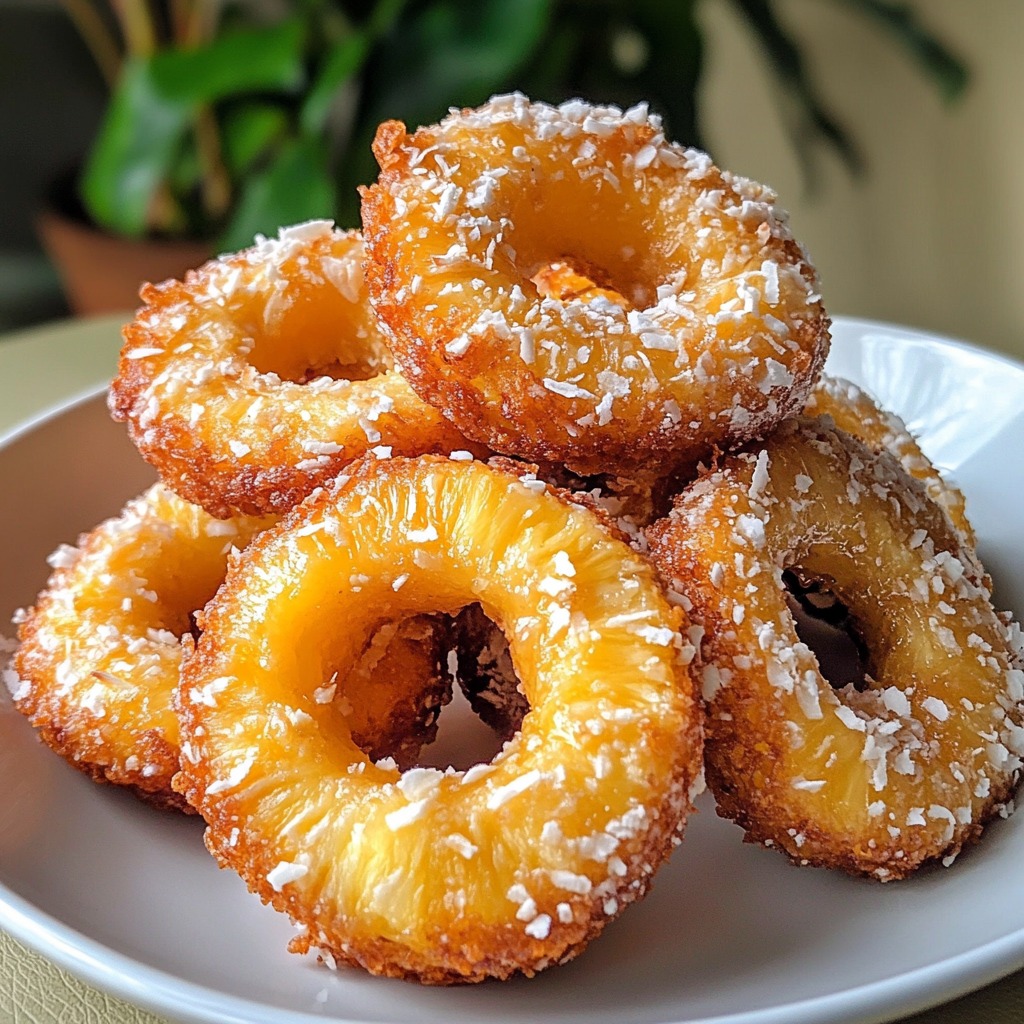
[{"x": 99, "y": 272}]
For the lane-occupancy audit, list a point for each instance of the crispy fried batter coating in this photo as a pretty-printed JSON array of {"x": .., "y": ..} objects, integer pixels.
[
  {"x": 877, "y": 778},
  {"x": 263, "y": 374},
  {"x": 719, "y": 333},
  {"x": 454, "y": 876},
  {"x": 852, "y": 409},
  {"x": 100, "y": 650}
]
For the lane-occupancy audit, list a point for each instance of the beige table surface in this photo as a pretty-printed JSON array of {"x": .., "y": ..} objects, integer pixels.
[{"x": 44, "y": 366}]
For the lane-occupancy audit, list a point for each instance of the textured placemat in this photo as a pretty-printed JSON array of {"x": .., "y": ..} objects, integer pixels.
[{"x": 35, "y": 991}]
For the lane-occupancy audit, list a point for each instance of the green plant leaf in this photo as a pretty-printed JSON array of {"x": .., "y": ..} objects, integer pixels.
[
  {"x": 239, "y": 61},
  {"x": 444, "y": 53},
  {"x": 345, "y": 60},
  {"x": 646, "y": 51},
  {"x": 453, "y": 54},
  {"x": 133, "y": 152},
  {"x": 185, "y": 170},
  {"x": 153, "y": 107},
  {"x": 341, "y": 64},
  {"x": 295, "y": 186},
  {"x": 248, "y": 130},
  {"x": 946, "y": 70}
]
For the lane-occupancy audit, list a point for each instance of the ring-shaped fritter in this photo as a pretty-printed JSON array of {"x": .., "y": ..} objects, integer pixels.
[
  {"x": 875, "y": 780},
  {"x": 721, "y": 332},
  {"x": 852, "y": 409},
  {"x": 235, "y": 382},
  {"x": 100, "y": 651},
  {"x": 446, "y": 876}
]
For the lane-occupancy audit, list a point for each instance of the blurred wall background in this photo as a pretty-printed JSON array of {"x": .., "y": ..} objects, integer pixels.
[
  {"x": 932, "y": 234},
  {"x": 51, "y": 100}
]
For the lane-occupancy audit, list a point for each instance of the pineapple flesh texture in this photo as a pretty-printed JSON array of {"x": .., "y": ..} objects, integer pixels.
[{"x": 535, "y": 849}]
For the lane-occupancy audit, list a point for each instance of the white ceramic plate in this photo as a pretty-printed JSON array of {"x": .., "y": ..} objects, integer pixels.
[{"x": 128, "y": 898}]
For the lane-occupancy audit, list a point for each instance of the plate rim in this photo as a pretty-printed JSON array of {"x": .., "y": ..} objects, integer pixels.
[
  {"x": 866, "y": 324},
  {"x": 168, "y": 994},
  {"x": 162, "y": 992},
  {"x": 37, "y": 420}
]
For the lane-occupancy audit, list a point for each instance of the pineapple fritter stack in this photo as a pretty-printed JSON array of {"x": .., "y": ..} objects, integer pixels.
[{"x": 558, "y": 445}]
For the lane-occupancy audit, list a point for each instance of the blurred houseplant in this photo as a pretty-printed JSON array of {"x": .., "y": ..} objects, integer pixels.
[{"x": 226, "y": 119}]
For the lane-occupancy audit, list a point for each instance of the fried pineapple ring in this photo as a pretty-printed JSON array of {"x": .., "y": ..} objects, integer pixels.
[
  {"x": 876, "y": 780},
  {"x": 852, "y": 409},
  {"x": 448, "y": 876},
  {"x": 235, "y": 383},
  {"x": 100, "y": 651},
  {"x": 719, "y": 332}
]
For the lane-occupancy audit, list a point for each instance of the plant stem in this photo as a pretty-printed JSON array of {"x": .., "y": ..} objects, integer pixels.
[
  {"x": 98, "y": 38},
  {"x": 215, "y": 184},
  {"x": 195, "y": 23},
  {"x": 139, "y": 31},
  {"x": 137, "y": 26}
]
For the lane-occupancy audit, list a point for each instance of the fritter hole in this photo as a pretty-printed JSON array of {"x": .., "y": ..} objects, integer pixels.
[
  {"x": 463, "y": 739},
  {"x": 825, "y": 624},
  {"x": 305, "y": 342},
  {"x": 575, "y": 278},
  {"x": 488, "y": 705}
]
